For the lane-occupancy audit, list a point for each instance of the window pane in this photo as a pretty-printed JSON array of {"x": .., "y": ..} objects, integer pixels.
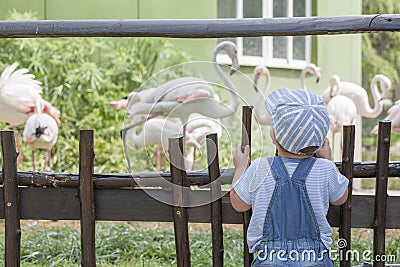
[
  {"x": 299, "y": 47},
  {"x": 280, "y": 8},
  {"x": 226, "y": 8},
  {"x": 299, "y": 8},
  {"x": 252, "y": 9},
  {"x": 252, "y": 46},
  {"x": 280, "y": 47}
]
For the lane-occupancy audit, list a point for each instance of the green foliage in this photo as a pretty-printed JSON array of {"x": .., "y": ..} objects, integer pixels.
[{"x": 80, "y": 76}]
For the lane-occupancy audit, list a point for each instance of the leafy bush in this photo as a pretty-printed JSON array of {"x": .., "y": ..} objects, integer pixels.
[{"x": 80, "y": 76}]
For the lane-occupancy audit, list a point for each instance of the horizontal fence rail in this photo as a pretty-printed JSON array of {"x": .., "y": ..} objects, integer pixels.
[
  {"x": 201, "y": 28},
  {"x": 120, "y": 180}
]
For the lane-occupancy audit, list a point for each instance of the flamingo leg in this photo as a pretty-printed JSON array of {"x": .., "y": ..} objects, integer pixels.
[
  {"x": 158, "y": 158},
  {"x": 19, "y": 157},
  {"x": 47, "y": 160},
  {"x": 33, "y": 160},
  {"x": 194, "y": 157}
]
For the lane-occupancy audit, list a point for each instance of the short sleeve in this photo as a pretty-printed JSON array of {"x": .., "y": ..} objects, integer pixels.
[
  {"x": 242, "y": 185},
  {"x": 338, "y": 184}
]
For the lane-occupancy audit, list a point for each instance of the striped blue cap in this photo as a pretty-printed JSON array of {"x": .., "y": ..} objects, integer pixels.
[{"x": 299, "y": 118}]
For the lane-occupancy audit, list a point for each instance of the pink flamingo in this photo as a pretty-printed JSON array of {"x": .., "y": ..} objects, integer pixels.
[
  {"x": 312, "y": 69},
  {"x": 341, "y": 109},
  {"x": 260, "y": 112},
  {"x": 360, "y": 97},
  {"x": 189, "y": 96},
  {"x": 19, "y": 93}
]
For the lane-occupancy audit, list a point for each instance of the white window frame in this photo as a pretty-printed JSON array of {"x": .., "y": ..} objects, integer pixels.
[{"x": 267, "y": 42}]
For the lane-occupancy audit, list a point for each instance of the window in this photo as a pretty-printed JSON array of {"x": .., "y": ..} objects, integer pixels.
[{"x": 273, "y": 51}]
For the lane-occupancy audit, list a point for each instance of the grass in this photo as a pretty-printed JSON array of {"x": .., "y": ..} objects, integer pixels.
[{"x": 124, "y": 244}]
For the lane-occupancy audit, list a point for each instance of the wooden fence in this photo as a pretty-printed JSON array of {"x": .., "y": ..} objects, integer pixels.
[{"x": 87, "y": 197}]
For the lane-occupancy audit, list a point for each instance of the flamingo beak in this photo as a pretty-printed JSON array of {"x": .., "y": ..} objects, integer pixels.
[
  {"x": 317, "y": 80},
  {"x": 235, "y": 65}
]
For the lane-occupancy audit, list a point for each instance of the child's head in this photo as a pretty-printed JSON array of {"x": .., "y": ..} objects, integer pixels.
[{"x": 300, "y": 120}]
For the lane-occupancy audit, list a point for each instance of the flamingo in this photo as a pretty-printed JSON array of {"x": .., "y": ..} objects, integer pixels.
[
  {"x": 19, "y": 94},
  {"x": 341, "y": 109},
  {"x": 156, "y": 131},
  {"x": 393, "y": 115},
  {"x": 312, "y": 69},
  {"x": 197, "y": 128},
  {"x": 360, "y": 97},
  {"x": 41, "y": 131},
  {"x": 181, "y": 100},
  {"x": 260, "y": 112}
]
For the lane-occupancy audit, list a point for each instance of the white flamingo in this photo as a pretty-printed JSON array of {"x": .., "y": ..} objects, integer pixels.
[
  {"x": 156, "y": 131},
  {"x": 41, "y": 132},
  {"x": 393, "y": 115},
  {"x": 190, "y": 97},
  {"x": 19, "y": 93},
  {"x": 341, "y": 109},
  {"x": 260, "y": 112},
  {"x": 197, "y": 128},
  {"x": 313, "y": 70},
  {"x": 360, "y": 97}
]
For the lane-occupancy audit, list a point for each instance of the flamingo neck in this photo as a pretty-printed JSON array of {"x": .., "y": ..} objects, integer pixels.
[
  {"x": 303, "y": 78},
  {"x": 261, "y": 113},
  {"x": 234, "y": 104},
  {"x": 376, "y": 96}
]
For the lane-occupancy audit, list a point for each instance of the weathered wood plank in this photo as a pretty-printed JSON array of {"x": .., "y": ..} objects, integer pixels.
[
  {"x": 381, "y": 190},
  {"x": 11, "y": 200},
  {"x": 204, "y": 28},
  {"x": 137, "y": 205},
  {"x": 123, "y": 180},
  {"x": 86, "y": 197},
  {"x": 216, "y": 198},
  {"x": 179, "y": 198},
  {"x": 246, "y": 140},
  {"x": 345, "y": 209}
]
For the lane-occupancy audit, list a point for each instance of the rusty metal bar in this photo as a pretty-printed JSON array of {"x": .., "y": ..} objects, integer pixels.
[
  {"x": 201, "y": 28},
  {"x": 11, "y": 200}
]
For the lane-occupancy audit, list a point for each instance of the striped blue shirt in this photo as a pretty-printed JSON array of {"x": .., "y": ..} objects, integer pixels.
[{"x": 324, "y": 184}]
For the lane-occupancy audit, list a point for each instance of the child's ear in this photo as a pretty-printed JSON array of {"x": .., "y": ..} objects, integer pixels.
[{"x": 272, "y": 134}]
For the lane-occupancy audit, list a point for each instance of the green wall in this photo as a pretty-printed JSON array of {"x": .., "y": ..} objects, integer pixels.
[{"x": 335, "y": 54}]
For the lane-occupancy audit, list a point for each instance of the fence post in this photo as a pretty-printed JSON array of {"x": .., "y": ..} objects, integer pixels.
[
  {"x": 216, "y": 198},
  {"x": 11, "y": 200},
  {"x": 246, "y": 140},
  {"x": 180, "y": 192},
  {"x": 345, "y": 209},
  {"x": 382, "y": 166},
  {"x": 86, "y": 197}
]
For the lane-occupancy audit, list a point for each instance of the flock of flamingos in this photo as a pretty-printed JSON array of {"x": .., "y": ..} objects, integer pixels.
[{"x": 186, "y": 105}]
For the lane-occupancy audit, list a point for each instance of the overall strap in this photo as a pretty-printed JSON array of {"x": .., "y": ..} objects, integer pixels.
[
  {"x": 303, "y": 169},
  {"x": 301, "y": 172}
]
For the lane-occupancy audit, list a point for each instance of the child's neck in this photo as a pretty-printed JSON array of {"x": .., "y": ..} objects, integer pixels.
[{"x": 285, "y": 154}]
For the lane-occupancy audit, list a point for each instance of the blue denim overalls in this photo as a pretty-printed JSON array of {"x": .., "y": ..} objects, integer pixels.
[{"x": 291, "y": 235}]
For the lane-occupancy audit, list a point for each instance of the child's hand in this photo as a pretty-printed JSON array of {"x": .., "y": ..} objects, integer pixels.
[
  {"x": 325, "y": 151},
  {"x": 241, "y": 159}
]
